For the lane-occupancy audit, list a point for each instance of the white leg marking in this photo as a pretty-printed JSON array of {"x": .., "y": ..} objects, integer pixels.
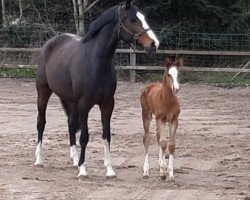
[
  {"x": 146, "y": 166},
  {"x": 160, "y": 155},
  {"x": 107, "y": 159},
  {"x": 171, "y": 166},
  {"x": 82, "y": 171},
  {"x": 162, "y": 163},
  {"x": 38, "y": 154},
  {"x": 74, "y": 155}
]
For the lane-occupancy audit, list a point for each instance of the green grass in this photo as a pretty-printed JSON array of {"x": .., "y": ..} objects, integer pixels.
[
  {"x": 222, "y": 79},
  {"x": 17, "y": 73},
  {"x": 215, "y": 78}
]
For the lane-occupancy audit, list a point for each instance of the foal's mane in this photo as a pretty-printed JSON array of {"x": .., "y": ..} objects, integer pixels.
[{"x": 97, "y": 24}]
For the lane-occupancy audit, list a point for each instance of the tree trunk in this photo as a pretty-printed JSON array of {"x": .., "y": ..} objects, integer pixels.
[
  {"x": 76, "y": 17},
  {"x": 20, "y": 9},
  {"x": 81, "y": 7},
  {"x": 4, "y": 13}
]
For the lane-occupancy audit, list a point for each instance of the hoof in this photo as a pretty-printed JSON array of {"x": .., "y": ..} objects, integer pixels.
[
  {"x": 111, "y": 177},
  {"x": 171, "y": 177},
  {"x": 38, "y": 164},
  {"x": 163, "y": 178},
  {"x": 145, "y": 176},
  {"x": 82, "y": 177}
]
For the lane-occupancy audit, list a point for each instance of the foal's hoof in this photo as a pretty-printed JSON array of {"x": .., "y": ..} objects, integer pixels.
[
  {"x": 82, "y": 177},
  {"x": 111, "y": 177},
  {"x": 163, "y": 178},
  {"x": 145, "y": 176},
  {"x": 171, "y": 177},
  {"x": 38, "y": 164}
]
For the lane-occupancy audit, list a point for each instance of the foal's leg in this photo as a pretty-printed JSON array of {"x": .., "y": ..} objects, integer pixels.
[
  {"x": 83, "y": 111},
  {"x": 162, "y": 141},
  {"x": 171, "y": 147},
  {"x": 106, "y": 112},
  {"x": 146, "y": 118},
  {"x": 73, "y": 124},
  {"x": 44, "y": 94}
]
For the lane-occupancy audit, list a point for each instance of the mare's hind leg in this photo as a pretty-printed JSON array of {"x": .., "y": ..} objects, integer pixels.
[
  {"x": 146, "y": 118},
  {"x": 73, "y": 127},
  {"x": 106, "y": 112},
  {"x": 44, "y": 94},
  {"x": 171, "y": 147}
]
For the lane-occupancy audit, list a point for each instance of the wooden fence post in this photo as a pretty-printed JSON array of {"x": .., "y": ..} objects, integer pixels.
[{"x": 132, "y": 63}]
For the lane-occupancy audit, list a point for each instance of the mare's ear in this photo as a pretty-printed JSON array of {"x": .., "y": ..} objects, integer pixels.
[
  {"x": 179, "y": 62},
  {"x": 128, "y": 3},
  {"x": 168, "y": 62}
]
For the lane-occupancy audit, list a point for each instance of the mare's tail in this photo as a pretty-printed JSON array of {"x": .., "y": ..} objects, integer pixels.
[{"x": 66, "y": 108}]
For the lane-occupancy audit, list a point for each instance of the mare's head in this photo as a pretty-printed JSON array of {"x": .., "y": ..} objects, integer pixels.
[
  {"x": 135, "y": 30},
  {"x": 171, "y": 73}
]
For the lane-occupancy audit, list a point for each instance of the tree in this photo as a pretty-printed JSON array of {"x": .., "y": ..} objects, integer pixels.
[
  {"x": 81, "y": 7},
  {"x": 4, "y": 13}
]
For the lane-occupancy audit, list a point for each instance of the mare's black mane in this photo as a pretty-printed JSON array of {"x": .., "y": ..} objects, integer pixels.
[{"x": 97, "y": 24}]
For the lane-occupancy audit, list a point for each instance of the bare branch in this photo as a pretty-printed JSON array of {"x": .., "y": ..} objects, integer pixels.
[{"x": 91, "y": 5}]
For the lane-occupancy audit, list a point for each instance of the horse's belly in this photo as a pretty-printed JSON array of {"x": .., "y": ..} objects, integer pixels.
[{"x": 61, "y": 86}]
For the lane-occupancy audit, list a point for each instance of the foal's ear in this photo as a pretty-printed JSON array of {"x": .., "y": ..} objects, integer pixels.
[
  {"x": 128, "y": 3},
  {"x": 179, "y": 62},
  {"x": 168, "y": 62}
]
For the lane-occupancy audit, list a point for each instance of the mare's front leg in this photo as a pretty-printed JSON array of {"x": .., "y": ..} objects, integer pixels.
[
  {"x": 106, "y": 112},
  {"x": 83, "y": 111},
  {"x": 171, "y": 147}
]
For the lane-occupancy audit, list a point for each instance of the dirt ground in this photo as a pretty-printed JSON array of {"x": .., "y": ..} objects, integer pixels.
[{"x": 212, "y": 159}]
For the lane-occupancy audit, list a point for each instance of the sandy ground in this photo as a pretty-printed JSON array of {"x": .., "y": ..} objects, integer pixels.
[{"x": 212, "y": 158}]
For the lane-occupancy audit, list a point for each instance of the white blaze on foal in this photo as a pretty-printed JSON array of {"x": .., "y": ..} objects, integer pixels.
[
  {"x": 173, "y": 72},
  {"x": 145, "y": 25}
]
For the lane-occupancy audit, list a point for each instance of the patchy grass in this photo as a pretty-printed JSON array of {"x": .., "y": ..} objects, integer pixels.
[
  {"x": 17, "y": 73},
  {"x": 215, "y": 78},
  {"x": 222, "y": 79}
]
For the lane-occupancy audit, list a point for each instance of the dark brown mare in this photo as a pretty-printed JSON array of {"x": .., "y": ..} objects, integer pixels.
[
  {"x": 80, "y": 72},
  {"x": 160, "y": 100}
]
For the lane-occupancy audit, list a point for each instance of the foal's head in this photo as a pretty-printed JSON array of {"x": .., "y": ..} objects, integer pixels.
[
  {"x": 171, "y": 73},
  {"x": 135, "y": 30}
]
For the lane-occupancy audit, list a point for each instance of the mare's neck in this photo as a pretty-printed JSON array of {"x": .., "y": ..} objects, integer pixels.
[{"x": 107, "y": 42}]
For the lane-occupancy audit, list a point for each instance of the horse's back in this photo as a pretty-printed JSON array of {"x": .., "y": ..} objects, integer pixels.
[
  {"x": 56, "y": 43},
  {"x": 53, "y": 63}
]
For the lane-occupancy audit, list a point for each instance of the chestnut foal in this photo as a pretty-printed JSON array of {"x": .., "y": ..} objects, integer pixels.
[{"x": 160, "y": 100}]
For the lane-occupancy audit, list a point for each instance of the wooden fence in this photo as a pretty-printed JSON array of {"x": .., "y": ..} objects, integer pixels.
[{"x": 133, "y": 67}]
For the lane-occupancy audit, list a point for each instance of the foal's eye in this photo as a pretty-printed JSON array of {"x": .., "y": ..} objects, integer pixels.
[{"x": 133, "y": 20}]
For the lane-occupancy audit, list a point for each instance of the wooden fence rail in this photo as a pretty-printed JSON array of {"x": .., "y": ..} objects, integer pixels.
[{"x": 133, "y": 67}]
